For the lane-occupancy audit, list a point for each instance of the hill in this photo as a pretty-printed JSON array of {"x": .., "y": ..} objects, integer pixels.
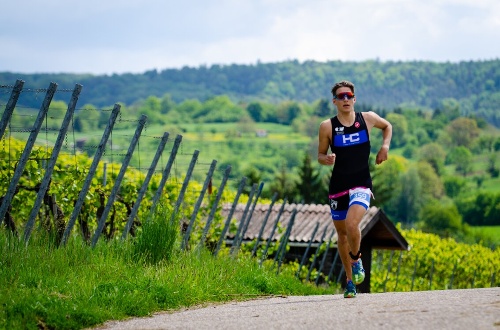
[{"x": 475, "y": 85}]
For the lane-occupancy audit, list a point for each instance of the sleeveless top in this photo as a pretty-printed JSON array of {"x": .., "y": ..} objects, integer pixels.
[{"x": 351, "y": 146}]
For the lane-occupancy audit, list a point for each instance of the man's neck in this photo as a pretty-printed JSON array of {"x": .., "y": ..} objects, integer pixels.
[{"x": 346, "y": 119}]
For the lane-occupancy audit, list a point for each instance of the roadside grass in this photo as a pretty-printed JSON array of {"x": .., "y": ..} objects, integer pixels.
[{"x": 43, "y": 286}]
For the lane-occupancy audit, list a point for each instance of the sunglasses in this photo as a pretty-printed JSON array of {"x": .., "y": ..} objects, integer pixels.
[{"x": 343, "y": 96}]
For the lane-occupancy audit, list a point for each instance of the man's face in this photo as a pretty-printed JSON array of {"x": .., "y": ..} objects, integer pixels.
[{"x": 345, "y": 99}]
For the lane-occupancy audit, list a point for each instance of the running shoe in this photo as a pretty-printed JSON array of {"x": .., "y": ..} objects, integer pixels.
[
  {"x": 358, "y": 272},
  {"x": 350, "y": 290}
]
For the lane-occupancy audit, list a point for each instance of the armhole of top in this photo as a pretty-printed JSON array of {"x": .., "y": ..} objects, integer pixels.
[{"x": 331, "y": 138}]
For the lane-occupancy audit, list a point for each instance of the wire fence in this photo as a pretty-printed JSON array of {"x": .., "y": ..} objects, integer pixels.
[{"x": 121, "y": 184}]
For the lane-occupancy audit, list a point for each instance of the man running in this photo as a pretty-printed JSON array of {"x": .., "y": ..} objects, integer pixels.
[{"x": 348, "y": 136}]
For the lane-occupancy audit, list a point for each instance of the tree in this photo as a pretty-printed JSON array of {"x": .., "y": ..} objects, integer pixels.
[
  {"x": 399, "y": 129},
  {"x": 409, "y": 198},
  {"x": 256, "y": 111},
  {"x": 461, "y": 157},
  {"x": 322, "y": 108},
  {"x": 432, "y": 186},
  {"x": 434, "y": 154},
  {"x": 310, "y": 188},
  {"x": 441, "y": 218},
  {"x": 462, "y": 132},
  {"x": 283, "y": 184},
  {"x": 386, "y": 179},
  {"x": 166, "y": 104}
]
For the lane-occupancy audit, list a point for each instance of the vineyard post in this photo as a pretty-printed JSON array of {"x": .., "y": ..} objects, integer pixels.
[
  {"x": 399, "y": 268},
  {"x": 270, "y": 238},
  {"x": 7, "y": 199},
  {"x": 261, "y": 232},
  {"x": 453, "y": 275},
  {"x": 311, "y": 266},
  {"x": 324, "y": 256},
  {"x": 249, "y": 216},
  {"x": 230, "y": 215},
  {"x": 189, "y": 172},
  {"x": 166, "y": 173},
  {"x": 144, "y": 187},
  {"x": 236, "y": 239},
  {"x": 304, "y": 256},
  {"x": 245, "y": 227},
  {"x": 282, "y": 250},
  {"x": 11, "y": 104},
  {"x": 214, "y": 206},
  {"x": 104, "y": 174},
  {"x": 389, "y": 266},
  {"x": 118, "y": 180},
  {"x": 90, "y": 175},
  {"x": 330, "y": 274},
  {"x": 414, "y": 273},
  {"x": 44, "y": 186},
  {"x": 210, "y": 173},
  {"x": 431, "y": 273}
]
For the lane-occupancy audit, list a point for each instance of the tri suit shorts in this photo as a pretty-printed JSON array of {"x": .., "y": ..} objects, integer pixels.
[{"x": 340, "y": 202}]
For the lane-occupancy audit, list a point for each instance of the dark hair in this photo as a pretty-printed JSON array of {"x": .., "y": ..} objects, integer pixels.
[{"x": 343, "y": 83}]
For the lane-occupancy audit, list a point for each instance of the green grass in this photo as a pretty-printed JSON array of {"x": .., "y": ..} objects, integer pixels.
[{"x": 42, "y": 286}]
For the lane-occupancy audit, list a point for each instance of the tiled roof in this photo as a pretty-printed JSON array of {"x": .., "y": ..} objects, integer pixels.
[{"x": 307, "y": 217}]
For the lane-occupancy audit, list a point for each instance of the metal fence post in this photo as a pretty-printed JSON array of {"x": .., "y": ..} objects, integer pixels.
[
  {"x": 11, "y": 104},
  {"x": 282, "y": 250},
  {"x": 189, "y": 172},
  {"x": 304, "y": 257},
  {"x": 330, "y": 273},
  {"x": 324, "y": 256},
  {"x": 7, "y": 199},
  {"x": 230, "y": 215},
  {"x": 269, "y": 240},
  {"x": 185, "y": 240},
  {"x": 88, "y": 180},
  {"x": 214, "y": 206},
  {"x": 166, "y": 173},
  {"x": 247, "y": 222},
  {"x": 52, "y": 162},
  {"x": 118, "y": 181},
  {"x": 237, "y": 238},
  {"x": 145, "y": 184},
  {"x": 316, "y": 253},
  {"x": 261, "y": 232}
]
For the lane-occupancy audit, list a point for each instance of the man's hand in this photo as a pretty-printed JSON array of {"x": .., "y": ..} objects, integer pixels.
[
  {"x": 328, "y": 159},
  {"x": 382, "y": 155}
]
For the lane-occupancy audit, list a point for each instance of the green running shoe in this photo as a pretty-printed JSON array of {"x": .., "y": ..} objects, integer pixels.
[
  {"x": 350, "y": 290},
  {"x": 358, "y": 272}
]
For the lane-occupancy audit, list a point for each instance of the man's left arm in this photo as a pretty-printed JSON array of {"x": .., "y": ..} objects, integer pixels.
[{"x": 375, "y": 120}]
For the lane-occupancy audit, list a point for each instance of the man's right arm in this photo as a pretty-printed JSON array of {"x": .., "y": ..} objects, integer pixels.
[{"x": 325, "y": 129}]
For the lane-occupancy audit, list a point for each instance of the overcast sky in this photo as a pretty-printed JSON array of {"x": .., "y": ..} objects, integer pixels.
[{"x": 111, "y": 36}]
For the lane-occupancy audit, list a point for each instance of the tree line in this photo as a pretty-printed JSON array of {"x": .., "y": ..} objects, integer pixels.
[{"x": 384, "y": 85}]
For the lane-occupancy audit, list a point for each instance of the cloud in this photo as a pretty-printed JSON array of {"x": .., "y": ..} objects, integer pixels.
[{"x": 135, "y": 36}]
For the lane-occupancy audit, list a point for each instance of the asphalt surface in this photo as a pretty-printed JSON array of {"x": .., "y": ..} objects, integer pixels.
[{"x": 447, "y": 309}]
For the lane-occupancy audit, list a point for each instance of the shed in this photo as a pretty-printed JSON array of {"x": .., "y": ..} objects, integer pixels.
[{"x": 377, "y": 231}]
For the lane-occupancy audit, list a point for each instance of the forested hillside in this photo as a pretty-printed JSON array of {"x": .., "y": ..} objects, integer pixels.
[{"x": 383, "y": 85}]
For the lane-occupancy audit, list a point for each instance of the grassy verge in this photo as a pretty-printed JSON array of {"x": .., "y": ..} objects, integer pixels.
[{"x": 74, "y": 287}]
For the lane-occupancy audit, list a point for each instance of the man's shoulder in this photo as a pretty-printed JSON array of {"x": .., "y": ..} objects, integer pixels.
[{"x": 326, "y": 121}]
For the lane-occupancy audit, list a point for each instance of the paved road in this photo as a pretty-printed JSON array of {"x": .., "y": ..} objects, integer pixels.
[{"x": 451, "y": 309}]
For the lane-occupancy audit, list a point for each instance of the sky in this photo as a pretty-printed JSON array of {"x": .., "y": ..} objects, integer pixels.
[{"x": 133, "y": 36}]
